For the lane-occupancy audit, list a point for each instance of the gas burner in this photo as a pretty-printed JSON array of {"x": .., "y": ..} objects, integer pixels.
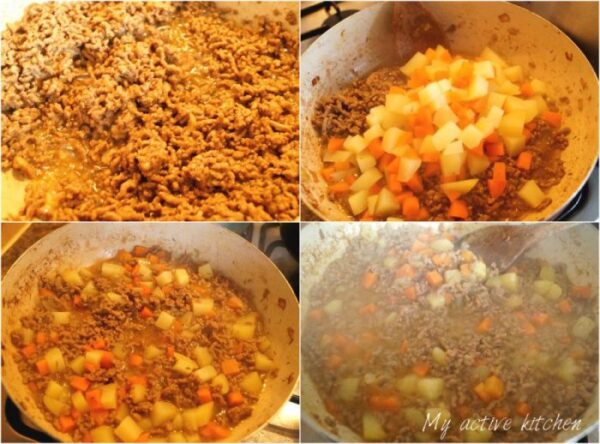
[{"x": 334, "y": 15}]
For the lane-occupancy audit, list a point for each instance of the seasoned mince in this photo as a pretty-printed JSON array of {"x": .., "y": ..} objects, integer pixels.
[
  {"x": 162, "y": 110},
  {"x": 143, "y": 347},
  {"x": 443, "y": 137},
  {"x": 404, "y": 327}
]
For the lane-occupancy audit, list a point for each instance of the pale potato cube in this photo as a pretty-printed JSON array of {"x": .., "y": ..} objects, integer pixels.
[
  {"x": 203, "y": 356},
  {"x": 174, "y": 437},
  {"x": 489, "y": 54},
  {"x": 407, "y": 385},
  {"x": 460, "y": 186},
  {"x": 538, "y": 86},
  {"x": 79, "y": 402},
  {"x": 390, "y": 139},
  {"x": 203, "y": 306},
  {"x": 115, "y": 297},
  {"x": 78, "y": 365},
  {"x": 367, "y": 180},
  {"x": 528, "y": 107},
  {"x": 411, "y": 107},
  {"x": 372, "y": 203},
  {"x": 112, "y": 271},
  {"x": 220, "y": 381},
  {"x": 164, "y": 278},
  {"x": 485, "y": 126},
  {"x": 480, "y": 434},
  {"x": 55, "y": 406},
  {"x": 177, "y": 421},
  {"x": 243, "y": 330},
  {"x": 61, "y": 317},
  {"x": 531, "y": 194},
  {"x": 396, "y": 102},
  {"x": 514, "y": 73},
  {"x": 163, "y": 412},
  {"x": 408, "y": 167},
  {"x": 372, "y": 429},
  {"x": 158, "y": 293},
  {"x": 72, "y": 277},
  {"x": 426, "y": 145},
  {"x": 471, "y": 137},
  {"x": 386, "y": 203},
  {"x": 55, "y": 359},
  {"x": 494, "y": 116},
  {"x": 94, "y": 356},
  {"x": 164, "y": 320},
  {"x": 347, "y": 389},
  {"x": 432, "y": 95},
  {"x": 108, "y": 397},
  {"x": 540, "y": 103},
  {"x": 445, "y": 85},
  {"x": 445, "y": 135},
  {"x": 103, "y": 434},
  {"x": 145, "y": 424},
  {"x": 138, "y": 393},
  {"x": 452, "y": 163},
  {"x": 508, "y": 88},
  {"x": 205, "y": 271},
  {"x": 484, "y": 69},
  {"x": 510, "y": 282},
  {"x": 337, "y": 156},
  {"x": 252, "y": 384},
  {"x": 358, "y": 201},
  {"x": 418, "y": 61},
  {"x": 443, "y": 116},
  {"x": 263, "y": 363},
  {"x": 128, "y": 430},
  {"x": 206, "y": 373},
  {"x": 374, "y": 132},
  {"x": 430, "y": 388},
  {"x": 496, "y": 99},
  {"x": 333, "y": 307},
  {"x": 477, "y": 164},
  {"x": 365, "y": 161},
  {"x": 184, "y": 365},
  {"x": 513, "y": 144},
  {"x": 144, "y": 272},
  {"x": 376, "y": 115},
  {"x": 479, "y": 87},
  {"x": 583, "y": 327},
  {"x": 512, "y": 124},
  {"x": 57, "y": 391},
  {"x": 151, "y": 352},
  {"x": 182, "y": 278},
  {"x": 355, "y": 144}
]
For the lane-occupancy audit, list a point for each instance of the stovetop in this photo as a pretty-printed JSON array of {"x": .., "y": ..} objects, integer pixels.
[
  {"x": 283, "y": 428},
  {"x": 318, "y": 17}
]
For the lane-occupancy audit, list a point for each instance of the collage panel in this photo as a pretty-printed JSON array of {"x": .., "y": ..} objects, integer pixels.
[
  {"x": 449, "y": 332},
  {"x": 450, "y": 110},
  {"x": 164, "y": 332}
]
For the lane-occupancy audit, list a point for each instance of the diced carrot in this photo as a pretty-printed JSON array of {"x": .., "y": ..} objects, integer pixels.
[
  {"x": 478, "y": 150},
  {"x": 87, "y": 437},
  {"x": 124, "y": 256},
  {"x": 375, "y": 189},
  {"x": 41, "y": 338},
  {"x": 411, "y": 207},
  {"x": 406, "y": 270},
  {"x": 79, "y": 383},
  {"x": 499, "y": 172},
  {"x": 496, "y": 187},
  {"x": 441, "y": 260},
  {"x": 367, "y": 309},
  {"x": 93, "y": 398},
  {"x": 418, "y": 78},
  {"x": 327, "y": 172},
  {"x": 522, "y": 408},
  {"x": 316, "y": 314},
  {"x": 494, "y": 387},
  {"x": 66, "y": 423},
  {"x": 341, "y": 166},
  {"x": 494, "y": 149},
  {"x": 410, "y": 293},
  {"x": 369, "y": 278},
  {"x": 144, "y": 437},
  {"x": 434, "y": 278},
  {"x": 393, "y": 166},
  {"x": 350, "y": 178},
  {"x": 403, "y": 196},
  {"x": 29, "y": 350},
  {"x": 137, "y": 379},
  {"x": 333, "y": 362},
  {"x": 107, "y": 360},
  {"x": 581, "y": 291},
  {"x": 214, "y": 431},
  {"x": 392, "y": 182},
  {"x": 480, "y": 391},
  {"x": 484, "y": 326},
  {"x": 415, "y": 183},
  {"x": 463, "y": 76},
  {"x": 552, "y": 118},
  {"x": 145, "y": 292},
  {"x": 431, "y": 169},
  {"x": 42, "y": 367},
  {"x": 136, "y": 360},
  {"x": 230, "y": 366},
  {"x": 385, "y": 160},
  {"x": 500, "y": 412},
  {"x": 99, "y": 344},
  {"x": 235, "y": 303},
  {"x": 46, "y": 293},
  {"x": 420, "y": 369},
  {"x": 235, "y": 398},
  {"x": 478, "y": 105},
  {"x": 384, "y": 403},
  {"x": 170, "y": 351},
  {"x": 423, "y": 214},
  {"x": 140, "y": 251},
  {"x": 524, "y": 160},
  {"x": 459, "y": 210},
  {"x": 335, "y": 144},
  {"x": 146, "y": 313},
  {"x": 540, "y": 318},
  {"x": 423, "y": 130},
  {"x": 565, "y": 306},
  {"x": 396, "y": 90},
  {"x": 340, "y": 187},
  {"x": 99, "y": 416},
  {"x": 430, "y": 156},
  {"x": 463, "y": 411},
  {"x": 528, "y": 328},
  {"x": 90, "y": 367},
  {"x": 204, "y": 394},
  {"x": 375, "y": 148}
]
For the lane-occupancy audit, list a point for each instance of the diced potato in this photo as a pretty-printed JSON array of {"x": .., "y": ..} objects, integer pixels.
[
  {"x": 89, "y": 290},
  {"x": 408, "y": 167},
  {"x": 57, "y": 391},
  {"x": 488, "y": 54},
  {"x": 486, "y": 126},
  {"x": 79, "y": 402},
  {"x": 509, "y": 88},
  {"x": 177, "y": 421},
  {"x": 358, "y": 201},
  {"x": 367, "y": 180},
  {"x": 445, "y": 135},
  {"x": 263, "y": 363},
  {"x": 103, "y": 434},
  {"x": 547, "y": 273},
  {"x": 471, "y": 137},
  {"x": 477, "y": 164},
  {"x": 538, "y": 86},
  {"x": 197, "y": 417},
  {"x": 205, "y": 271},
  {"x": 479, "y": 87},
  {"x": 203, "y": 356},
  {"x": 144, "y": 272},
  {"x": 439, "y": 355},
  {"x": 510, "y": 282},
  {"x": 365, "y": 161},
  {"x": 164, "y": 278},
  {"x": 437, "y": 415},
  {"x": 72, "y": 277},
  {"x": 138, "y": 393},
  {"x": 461, "y": 187},
  {"x": 252, "y": 384},
  {"x": 347, "y": 389},
  {"x": 203, "y": 306},
  {"x": 145, "y": 424},
  {"x": 151, "y": 352},
  {"x": 495, "y": 100},
  {"x": 115, "y": 297},
  {"x": 392, "y": 120},
  {"x": 55, "y": 406},
  {"x": 442, "y": 245},
  {"x": 108, "y": 397},
  {"x": 163, "y": 412},
  {"x": 337, "y": 156},
  {"x": 432, "y": 95},
  {"x": 512, "y": 124},
  {"x": 355, "y": 144},
  {"x": 94, "y": 356},
  {"x": 443, "y": 116},
  {"x": 418, "y": 61},
  {"x": 205, "y": 373},
  {"x": 495, "y": 115},
  {"x": 386, "y": 203},
  {"x": 514, "y": 144},
  {"x": 182, "y": 278},
  {"x": 529, "y": 107},
  {"x": 55, "y": 359},
  {"x": 112, "y": 271},
  {"x": 175, "y": 437},
  {"x": 376, "y": 115},
  {"x": 514, "y": 73},
  {"x": 184, "y": 365},
  {"x": 372, "y": 429},
  {"x": 583, "y": 327},
  {"x": 567, "y": 369},
  {"x": 128, "y": 430},
  {"x": 407, "y": 385},
  {"x": 61, "y": 317},
  {"x": 119, "y": 351},
  {"x": 221, "y": 382},
  {"x": 372, "y": 203},
  {"x": 396, "y": 102},
  {"x": 436, "y": 300},
  {"x": 452, "y": 163},
  {"x": 334, "y": 306},
  {"x": 164, "y": 320},
  {"x": 121, "y": 412},
  {"x": 480, "y": 434},
  {"x": 243, "y": 330},
  {"x": 531, "y": 194},
  {"x": 513, "y": 301},
  {"x": 479, "y": 270},
  {"x": 158, "y": 293},
  {"x": 414, "y": 417},
  {"x": 374, "y": 132},
  {"x": 78, "y": 365},
  {"x": 430, "y": 388}
]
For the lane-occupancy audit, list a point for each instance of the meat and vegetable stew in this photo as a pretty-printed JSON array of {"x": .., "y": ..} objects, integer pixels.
[
  {"x": 407, "y": 332},
  {"x": 151, "y": 110},
  {"x": 443, "y": 137},
  {"x": 143, "y": 347}
]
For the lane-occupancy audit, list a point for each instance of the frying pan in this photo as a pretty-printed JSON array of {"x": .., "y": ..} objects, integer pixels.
[
  {"x": 77, "y": 245},
  {"x": 322, "y": 243},
  {"x": 363, "y": 42}
]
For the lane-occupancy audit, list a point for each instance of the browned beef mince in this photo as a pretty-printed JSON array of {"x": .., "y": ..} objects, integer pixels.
[
  {"x": 163, "y": 110},
  {"x": 121, "y": 325},
  {"x": 344, "y": 113},
  {"x": 372, "y": 347}
]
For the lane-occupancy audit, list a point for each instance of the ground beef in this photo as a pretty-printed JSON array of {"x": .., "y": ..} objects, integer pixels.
[
  {"x": 344, "y": 113},
  {"x": 163, "y": 110}
]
